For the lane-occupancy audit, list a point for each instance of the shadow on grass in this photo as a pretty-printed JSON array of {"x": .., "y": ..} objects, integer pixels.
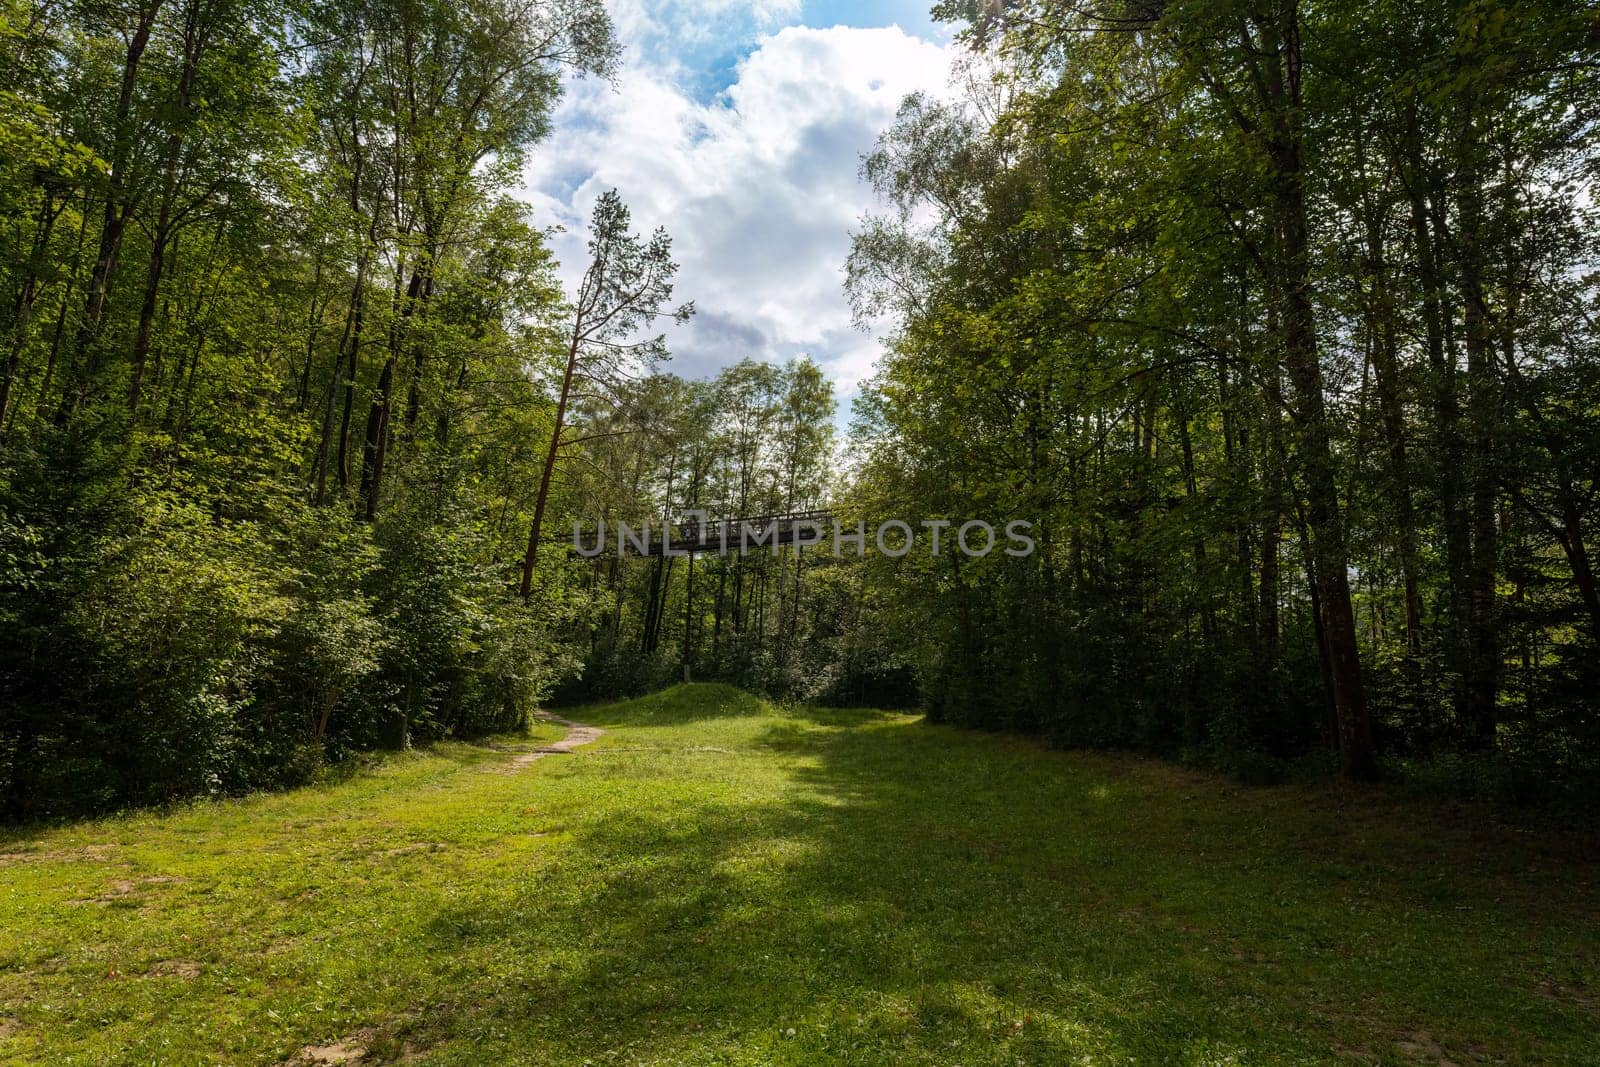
[{"x": 914, "y": 895}]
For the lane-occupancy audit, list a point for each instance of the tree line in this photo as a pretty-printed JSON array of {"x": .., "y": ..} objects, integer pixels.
[
  {"x": 296, "y": 415},
  {"x": 1279, "y": 320},
  {"x": 276, "y": 348},
  {"x": 794, "y": 621}
]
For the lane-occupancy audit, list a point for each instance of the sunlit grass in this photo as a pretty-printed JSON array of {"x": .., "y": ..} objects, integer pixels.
[{"x": 720, "y": 881}]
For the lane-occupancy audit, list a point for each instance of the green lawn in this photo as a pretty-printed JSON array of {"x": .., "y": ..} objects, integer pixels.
[{"x": 720, "y": 881}]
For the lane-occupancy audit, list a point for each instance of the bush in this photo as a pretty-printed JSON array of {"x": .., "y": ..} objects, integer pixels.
[
  {"x": 613, "y": 671},
  {"x": 127, "y": 655}
]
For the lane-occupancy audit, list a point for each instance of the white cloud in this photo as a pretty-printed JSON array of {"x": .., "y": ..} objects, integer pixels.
[
  {"x": 680, "y": 36},
  {"x": 758, "y": 185}
]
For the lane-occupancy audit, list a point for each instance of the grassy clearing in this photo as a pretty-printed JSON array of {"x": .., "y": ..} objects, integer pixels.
[{"x": 719, "y": 881}]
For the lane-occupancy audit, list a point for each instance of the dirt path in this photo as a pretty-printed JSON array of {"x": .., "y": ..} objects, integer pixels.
[
  {"x": 354, "y": 1049},
  {"x": 577, "y": 734}
]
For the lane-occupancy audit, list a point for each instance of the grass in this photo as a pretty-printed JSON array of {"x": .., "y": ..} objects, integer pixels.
[{"x": 720, "y": 881}]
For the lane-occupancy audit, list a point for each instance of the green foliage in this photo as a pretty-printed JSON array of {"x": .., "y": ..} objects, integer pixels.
[
  {"x": 1277, "y": 324},
  {"x": 756, "y": 440},
  {"x": 234, "y": 232}
]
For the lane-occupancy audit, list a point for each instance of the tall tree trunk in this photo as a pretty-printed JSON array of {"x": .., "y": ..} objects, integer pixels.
[
  {"x": 302, "y": 395},
  {"x": 147, "y": 307},
  {"x": 1483, "y": 644},
  {"x": 1578, "y": 559},
  {"x": 349, "y": 339},
  {"x": 1422, "y": 190},
  {"x": 716, "y": 613},
  {"x": 351, "y": 359},
  {"x": 1315, "y": 451},
  {"x": 197, "y": 328},
  {"x": 84, "y": 359},
  {"x": 60, "y": 330},
  {"x": 1386, "y": 372},
  {"x": 419, "y": 364},
  {"x": 196, "y": 33},
  {"x": 375, "y": 451},
  {"x": 1274, "y": 503},
  {"x": 27, "y": 293},
  {"x": 549, "y": 469},
  {"x": 688, "y": 616},
  {"x": 652, "y": 605},
  {"x": 1191, "y": 490}
]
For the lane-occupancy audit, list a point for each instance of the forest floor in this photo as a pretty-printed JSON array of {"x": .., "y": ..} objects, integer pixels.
[{"x": 716, "y": 880}]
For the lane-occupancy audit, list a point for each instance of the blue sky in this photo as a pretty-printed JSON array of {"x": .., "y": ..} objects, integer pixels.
[
  {"x": 712, "y": 65},
  {"x": 739, "y": 125}
]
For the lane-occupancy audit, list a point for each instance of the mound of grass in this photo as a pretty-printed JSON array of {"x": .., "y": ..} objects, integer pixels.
[{"x": 718, "y": 880}]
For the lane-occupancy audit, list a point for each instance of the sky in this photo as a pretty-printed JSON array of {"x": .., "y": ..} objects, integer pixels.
[{"x": 739, "y": 125}]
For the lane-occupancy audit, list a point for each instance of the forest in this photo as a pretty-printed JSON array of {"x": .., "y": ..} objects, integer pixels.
[
  {"x": 1277, "y": 321},
  {"x": 346, "y": 346}
]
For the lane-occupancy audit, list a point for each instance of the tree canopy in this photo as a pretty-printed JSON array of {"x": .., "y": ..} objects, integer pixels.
[{"x": 1276, "y": 322}]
